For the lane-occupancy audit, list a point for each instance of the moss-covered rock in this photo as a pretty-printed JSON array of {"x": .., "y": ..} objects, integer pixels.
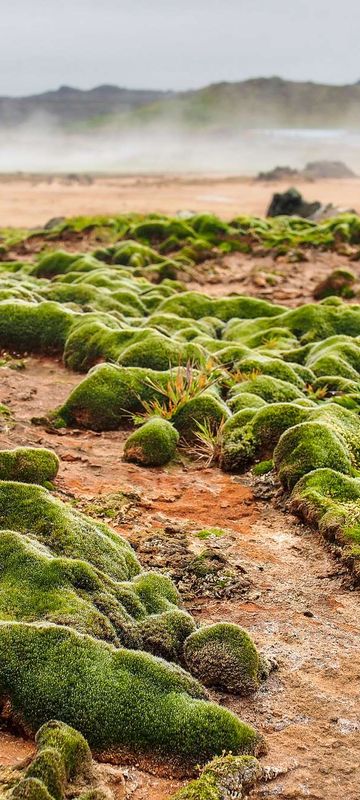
[
  {"x": 152, "y": 445},
  {"x": 158, "y": 352},
  {"x": 164, "y": 634},
  {"x": 205, "y": 408},
  {"x": 309, "y": 446},
  {"x": 224, "y": 777},
  {"x": 223, "y": 655},
  {"x": 34, "y": 327},
  {"x": 108, "y": 395},
  {"x": 29, "y": 465}
]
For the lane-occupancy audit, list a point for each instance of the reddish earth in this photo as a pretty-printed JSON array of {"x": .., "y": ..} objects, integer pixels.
[
  {"x": 25, "y": 200},
  {"x": 297, "y": 606}
]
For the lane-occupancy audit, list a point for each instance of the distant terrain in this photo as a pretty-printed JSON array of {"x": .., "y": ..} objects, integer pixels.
[{"x": 260, "y": 102}]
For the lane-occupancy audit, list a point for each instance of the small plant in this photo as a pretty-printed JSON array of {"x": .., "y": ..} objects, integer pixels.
[
  {"x": 208, "y": 442},
  {"x": 317, "y": 394},
  {"x": 185, "y": 384}
]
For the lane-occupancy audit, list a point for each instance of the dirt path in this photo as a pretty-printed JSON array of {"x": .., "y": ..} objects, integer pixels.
[
  {"x": 295, "y": 605},
  {"x": 25, "y": 201}
]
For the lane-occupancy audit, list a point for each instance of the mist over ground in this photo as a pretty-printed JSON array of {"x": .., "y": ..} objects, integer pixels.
[{"x": 41, "y": 145}]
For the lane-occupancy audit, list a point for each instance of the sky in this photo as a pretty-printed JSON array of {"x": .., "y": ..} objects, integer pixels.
[{"x": 175, "y": 44}]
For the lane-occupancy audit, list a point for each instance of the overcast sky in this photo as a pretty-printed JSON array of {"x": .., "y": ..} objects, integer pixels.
[{"x": 175, "y": 44}]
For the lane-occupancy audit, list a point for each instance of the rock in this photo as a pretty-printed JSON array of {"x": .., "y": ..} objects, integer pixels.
[{"x": 292, "y": 203}]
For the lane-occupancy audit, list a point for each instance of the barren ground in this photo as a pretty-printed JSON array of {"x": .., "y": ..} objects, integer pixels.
[{"x": 30, "y": 201}]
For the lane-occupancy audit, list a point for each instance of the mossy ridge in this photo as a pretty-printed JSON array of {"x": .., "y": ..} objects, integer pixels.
[
  {"x": 69, "y": 534},
  {"x": 331, "y": 501},
  {"x": 116, "y": 698},
  {"x": 62, "y": 766}
]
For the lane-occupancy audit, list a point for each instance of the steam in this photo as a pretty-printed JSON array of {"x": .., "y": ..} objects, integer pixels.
[{"x": 41, "y": 146}]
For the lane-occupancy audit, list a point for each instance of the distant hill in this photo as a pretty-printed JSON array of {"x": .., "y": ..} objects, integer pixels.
[
  {"x": 260, "y": 103},
  {"x": 68, "y": 105}
]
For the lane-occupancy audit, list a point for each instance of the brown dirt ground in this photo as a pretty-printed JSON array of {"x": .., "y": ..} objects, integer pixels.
[
  {"x": 28, "y": 201},
  {"x": 297, "y": 608}
]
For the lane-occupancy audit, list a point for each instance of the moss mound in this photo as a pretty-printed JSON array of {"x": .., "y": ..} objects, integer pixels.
[
  {"x": 205, "y": 408},
  {"x": 152, "y": 445},
  {"x": 225, "y": 776},
  {"x": 116, "y": 698},
  {"x": 29, "y": 465},
  {"x": 223, "y": 655},
  {"x": 306, "y": 447},
  {"x": 164, "y": 634}
]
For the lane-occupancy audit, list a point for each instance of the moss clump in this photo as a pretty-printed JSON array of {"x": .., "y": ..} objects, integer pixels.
[
  {"x": 223, "y": 655},
  {"x": 205, "y": 408},
  {"x": 48, "y": 768},
  {"x": 31, "y": 789},
  {"x": 55, "y": 263},
  {"x": 34, "y": 327},
  {"x": 224, "y": 777},
  {"x": 152, "y": 445},
  {"x": 263, "y": 468},
  {"x": 70, "y": 744},
  {"x": 29, "y": 465},
  {"x": 245, "y": 400},
  {"x": 164, "y": 634},
  {"x": 28, "y": 508},
  {"x": 160, "y": 353},
  {"x": 340, "y": 283},
  {"x": 62, "y": 757},
  {"x": 272, "y": 390},
  {"x": 306, "y": 447},
  {"x": 116, "y": 698}
]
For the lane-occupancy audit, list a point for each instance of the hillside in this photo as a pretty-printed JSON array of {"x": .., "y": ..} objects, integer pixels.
[
  {"x": 259, "y": 102},
  {"x": 263, "y": 103},
  {"x": 69, "y": 105}
]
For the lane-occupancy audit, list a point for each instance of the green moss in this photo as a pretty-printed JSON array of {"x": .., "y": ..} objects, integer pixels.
[
  {"x": 340, "y": 283},
  {"x": 160, "y": 353},
  {"x": 52, "y": 672},
  {"x": 263, "y": 468},
  {"x": 254, "y": 434},
  {"x": 206, "y": 407},
  {"x": 245, "y": 400},
  {"x": 270, "y": 389},
  {"x": 27, "y": 508},
  {"x": 197, "y": 305},
  {"x": 309, "y": 446},
  {"x": 55, "y": 263},
  {"x": 208, "y": 532},
  {"x": 30, "y": 465},
  {"x": 70, "y": 744},
  {"x": 270, "y": 366},
  {"x": 164, "y": 634},
  {"x": 48, "y": 767},
  {"x": 223, "y": 655},
  {"x": 108, "y": 395},
  {"x": 31, "y": 789},
  {"x": 34, "y": 327},
  {"x": 152, "y": 445}
]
